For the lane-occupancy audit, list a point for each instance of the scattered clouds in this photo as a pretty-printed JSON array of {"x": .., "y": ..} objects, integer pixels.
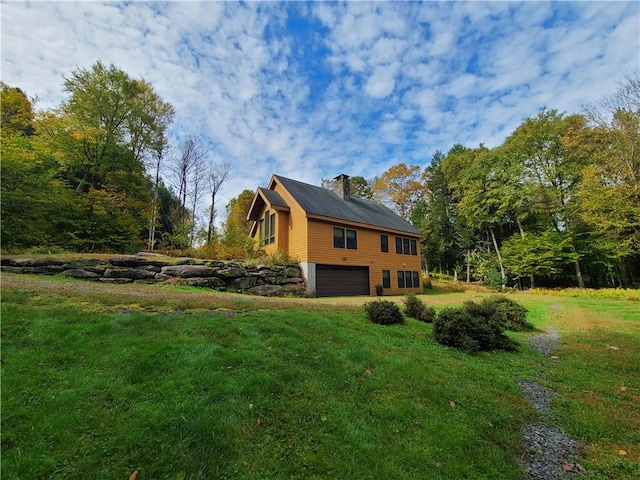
[{"x": 311, "y": 90}]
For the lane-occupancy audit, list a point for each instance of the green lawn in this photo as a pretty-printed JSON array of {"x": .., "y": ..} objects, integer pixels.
[{"x": 179, "y": 383}]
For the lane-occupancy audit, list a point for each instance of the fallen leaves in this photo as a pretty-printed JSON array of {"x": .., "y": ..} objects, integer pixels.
[
  {"x": 134, "y": 475},
  {"x": 622, "y": 452},
  {"x": 452, "y": 404},
  {"x": 567, "y": 468}
]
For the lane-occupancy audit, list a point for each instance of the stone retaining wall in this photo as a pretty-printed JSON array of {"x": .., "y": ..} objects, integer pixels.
[{"x": 238, "y": 277}]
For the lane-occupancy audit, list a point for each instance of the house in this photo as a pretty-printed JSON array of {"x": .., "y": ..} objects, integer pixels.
[{"x": 346, "y": 245}]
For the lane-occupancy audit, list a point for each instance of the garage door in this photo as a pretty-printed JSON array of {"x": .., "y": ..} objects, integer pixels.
[{"x": 341, "y": 281}]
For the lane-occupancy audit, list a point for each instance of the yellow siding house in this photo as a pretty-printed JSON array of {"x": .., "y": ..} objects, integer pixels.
[{"x": 346, "y": 245}]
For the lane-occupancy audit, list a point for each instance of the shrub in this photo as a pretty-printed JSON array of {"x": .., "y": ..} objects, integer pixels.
[
  {"x": 510, "y": 313},
  {"x": 456, "y": 327},
  {"x": 501, "y": 310},
  {"x": 415, "y": 308},
  {"x": 383, "y": 312},
  {"x": 427, "y": 315}
]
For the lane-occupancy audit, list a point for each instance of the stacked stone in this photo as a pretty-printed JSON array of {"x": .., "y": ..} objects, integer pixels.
[{"x": 232, "y": 276}]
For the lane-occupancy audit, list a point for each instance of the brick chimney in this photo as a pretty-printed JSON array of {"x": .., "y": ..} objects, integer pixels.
[{"x": 342, "y": 186}]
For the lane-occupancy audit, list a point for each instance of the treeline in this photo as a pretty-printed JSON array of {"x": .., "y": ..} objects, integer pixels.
[
  {"x": 557, "y": 204},
  {"x": 87, "y": 176}
]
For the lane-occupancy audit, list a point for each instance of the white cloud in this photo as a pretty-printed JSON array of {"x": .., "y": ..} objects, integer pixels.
[{"x": 360, "y": 86}]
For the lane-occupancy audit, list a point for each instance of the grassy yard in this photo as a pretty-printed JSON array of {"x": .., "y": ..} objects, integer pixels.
[{"x": 99, "y": 381}]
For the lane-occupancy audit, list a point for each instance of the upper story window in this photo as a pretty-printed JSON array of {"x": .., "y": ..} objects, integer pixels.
[
  {"x": 406, "y": 246},
  {"x": 268, "y": 228},
  {"x": 384, "y": 243},
  {"x": 345, "y": 238}
]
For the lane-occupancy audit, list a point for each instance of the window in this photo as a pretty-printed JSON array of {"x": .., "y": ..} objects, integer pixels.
[
  {"x": 414, "y": 247},
  {"x": 272, "y": 228},
  {"x": 408, "y": 280},
  {"x": 352, "y": 240},
  {"x": 406, "y": 246},
  {"x": 416, "y": 279},
  {"x": 400, "y": 279},
  {"x": 384, "y": 243},
  {"x": 338, "y": 237},
  {"x": 386, "y": 278},
  {"x": 268, "y": 228},
  {"x": 262, "y": 231}
]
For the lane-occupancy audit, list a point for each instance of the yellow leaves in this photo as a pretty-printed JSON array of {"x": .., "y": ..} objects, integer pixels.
[
  {"x": 623, "y": 388},
  {"x": 452, "y": 404},
  {"x": 134, "y": 475}
]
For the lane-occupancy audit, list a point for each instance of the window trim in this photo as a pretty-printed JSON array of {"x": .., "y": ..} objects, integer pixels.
[
  {"x": 272, "y": 228},
  {"x": 349, "y": 243},
  {"x": 386, "y": 282},
  {"x": 384, "y": 243},
  {"x": 408, "y": 279},
  {"x": 406, "y": 246}
]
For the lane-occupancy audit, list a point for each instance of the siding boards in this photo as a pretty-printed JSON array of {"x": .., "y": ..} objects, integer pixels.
[{"x": 368, "y": 254}]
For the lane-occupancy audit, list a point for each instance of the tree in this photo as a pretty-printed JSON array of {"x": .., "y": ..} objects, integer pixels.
[
  {"x": 435, "y": 215},
  {"x": 235, "y": 234},
  {"x": 160, "y": 150},
  {"x": 474, "y": 182},
  {"x": 552, "y": 172},
  {"x": 361, "y": 187},
  {"x": 114, "y": 122},
  {"x": 400, "y": 186},
  {"x": 609, "y": 196},
  {"x": 17, "y": 111},
  {"x": 219, "y": 174}
]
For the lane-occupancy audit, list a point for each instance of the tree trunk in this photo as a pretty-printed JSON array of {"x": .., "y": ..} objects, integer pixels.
[
  {"x": 211, "y": 215},
  {"x": 468, "y": 266},
  {"x": 495, "y": 245},
  {"x": 154, "y": 214},
  {"x": 531, "y": 277},
  {"x": 578, "y": 271}
]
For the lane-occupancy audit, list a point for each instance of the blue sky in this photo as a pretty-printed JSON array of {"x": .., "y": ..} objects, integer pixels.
[{"x": 312, "y": 90}]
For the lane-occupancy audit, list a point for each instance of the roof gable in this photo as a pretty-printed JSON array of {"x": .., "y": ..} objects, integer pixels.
[
  {"x": 265, "y": 197},
  {"x": 326, "y": 203}
]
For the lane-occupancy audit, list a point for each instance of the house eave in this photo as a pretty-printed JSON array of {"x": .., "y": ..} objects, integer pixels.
[{"x": 368, "y": 226}]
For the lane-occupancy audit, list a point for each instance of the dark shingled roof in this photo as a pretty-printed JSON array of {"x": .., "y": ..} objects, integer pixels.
[
  {"x": 273, "y": 197},
  {"x": 320, "y": 201}
]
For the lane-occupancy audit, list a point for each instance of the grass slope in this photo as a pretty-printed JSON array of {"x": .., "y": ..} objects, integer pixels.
[{"x": 95, "y": 386}]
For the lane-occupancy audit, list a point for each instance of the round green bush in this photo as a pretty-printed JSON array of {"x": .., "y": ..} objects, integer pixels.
[
  {"x": 510, "y": 313},
  {"x": 456, "y": 327},
  {"x": 383, "y": 312},
  {"x": 428, "y": 314},
  {"x": 502, "y": 310},
  {"x": 415, "y": 308}
]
